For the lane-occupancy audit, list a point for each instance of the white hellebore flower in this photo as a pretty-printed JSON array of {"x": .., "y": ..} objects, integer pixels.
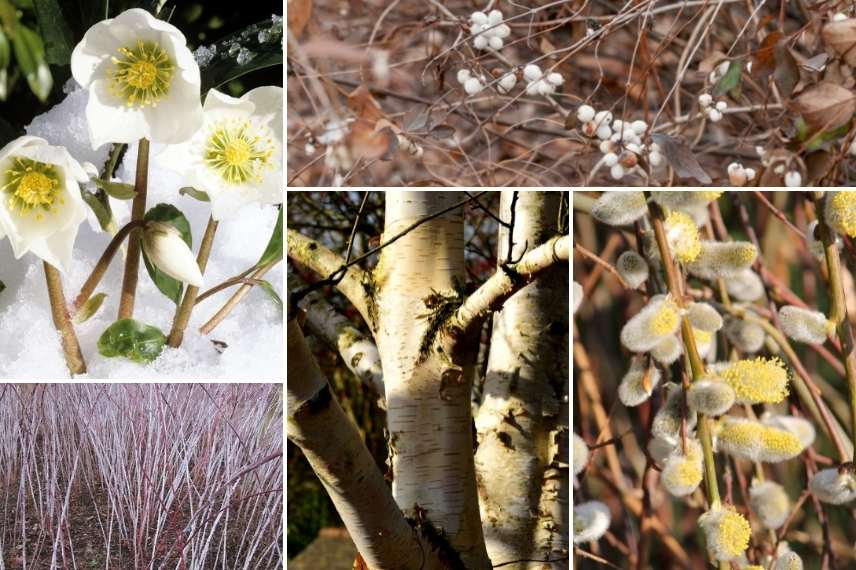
[
  {"x": 40, "y": 204},
  {"x": 165, "y": 248},
  {"x": 143, "y": 82},
  {"x": 236, "y": 157}
]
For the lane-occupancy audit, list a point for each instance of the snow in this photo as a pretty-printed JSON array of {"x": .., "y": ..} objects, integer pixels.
[{"x": 29, "y": 344}]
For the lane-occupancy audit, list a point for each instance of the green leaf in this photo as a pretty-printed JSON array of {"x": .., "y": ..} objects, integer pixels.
[
  {"x": 5, "y": 60},
  {"x": 100, "y": 206},
  {"x": 59, "y": 41},
  {"x": 118, "y": 190},
  {"x": 89, "y": 308},
  {"x": 194, "y": 193},
  {"x": 273, "y": 251},
  {"x": 731, "y": 80},
  {"x": 243, "y": 52},
  {"x": 168, "y": 214},
  {"x": 30, "y": 53},
  {"x": 5, "y": 49},
  {"x": 268, "y": 288},
  {"x": 133, "y": 340},
  {"x": 813, "y": 142}
]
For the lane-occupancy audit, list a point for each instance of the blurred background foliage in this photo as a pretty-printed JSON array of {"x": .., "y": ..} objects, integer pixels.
[{"x": 37, "y": 38}]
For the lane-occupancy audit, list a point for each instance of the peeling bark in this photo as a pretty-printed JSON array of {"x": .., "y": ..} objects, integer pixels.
[{"x": 522, "y": 425}]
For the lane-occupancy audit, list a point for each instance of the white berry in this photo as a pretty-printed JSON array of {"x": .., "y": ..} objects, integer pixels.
[
  {"x": 472, "y": 86},
  {"x": 585, "y": 113},
  {"x": 532, "y": 73},
  {"x": 793, "y": 179}
]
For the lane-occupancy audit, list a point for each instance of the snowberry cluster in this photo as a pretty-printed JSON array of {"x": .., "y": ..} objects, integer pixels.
[
  {"x": 337, "y": 155},
  {"x": 488, "y": 30},
  {"x": 540, "y": 84},
  {"x": 713, "y": 111},
  {"x": 781, "y": 165},
  {"x": 472, "y": 85},
  {"x": 738, "y": 175},
  {"x": 621, "y": 141}
]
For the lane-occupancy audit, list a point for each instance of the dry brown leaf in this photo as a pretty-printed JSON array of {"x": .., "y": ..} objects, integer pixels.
[
  {"x": 372, "y": 134},
  {"x": 681, "y": 158},
  {"x": 368, "y": 142},
  {"x": 364, "y": 105},
  {"x": 841, "y": 38},
  {"x": 764, "y": 62},
  {"x": 299, "y": 12},
  {"x": 826, "y": 106}
]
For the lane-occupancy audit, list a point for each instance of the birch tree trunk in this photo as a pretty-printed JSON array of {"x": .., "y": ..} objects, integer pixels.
[
  {"x": 522, "y": 424},
  {"x": 332, "y": 445},
  {"x": 418, "y": 278}
]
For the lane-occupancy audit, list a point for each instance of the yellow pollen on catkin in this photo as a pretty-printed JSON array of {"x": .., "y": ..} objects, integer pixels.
[
  {"x": 758, "y": 381},
  {"x": 755, "y": 438},
  {"x": 682, "y": 234},
  {"x": 238, "y": 152},
  {"x": 734, "y": 533},
  {"x": 141, "y": 75},
  {"x": 743, "y": 253},
  {"x": 32, "y": 186},
  {"x": 686, "y": 473},
  {"x": 665, "y": 320},
  {"x": 710, "y": 196},
  {"x": 841, "y": 212},
  {"x": 702, "y": 337}
]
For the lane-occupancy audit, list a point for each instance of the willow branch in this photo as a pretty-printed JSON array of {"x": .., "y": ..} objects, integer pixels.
[{"x": 838, "y": 312}]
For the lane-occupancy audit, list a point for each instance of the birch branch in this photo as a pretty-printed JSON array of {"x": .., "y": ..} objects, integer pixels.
[
  {"x": 507, "y": 281},
  {"x": 325, "y": 263},
  {"x": 358, "y": 352},
  {"x": 335, "y": 450}
]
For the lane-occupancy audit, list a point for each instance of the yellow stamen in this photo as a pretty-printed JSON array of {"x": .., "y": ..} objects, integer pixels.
[{"x": 141, "y": 76}]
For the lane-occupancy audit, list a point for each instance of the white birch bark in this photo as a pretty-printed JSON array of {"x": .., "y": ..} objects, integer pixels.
[
  {"x": 522, "y": 422},
  {"x": 332, "y": 444},
  {"x": 358, "y": 352},
  {"x": 324, "y": 262},
  {"x": 428, "y": 397}
]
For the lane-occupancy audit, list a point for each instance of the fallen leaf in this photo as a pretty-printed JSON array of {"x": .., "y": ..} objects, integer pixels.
[
  {"x": 372, "y": 135},
  {"x": 841, "y": 38},
  {"x": 441, "y": 132},
  {"x": 818, "y": 164},
  {"x": 787, "y": 73},
  {"x": 826, "y": 106},
  {"x": 681, "y": 158},
  {"x": 816, "y": 63},
  {"x": 363, "y": 104},
  {"x": 298, "y": 12},
  {"x": 764, "y": 62}
]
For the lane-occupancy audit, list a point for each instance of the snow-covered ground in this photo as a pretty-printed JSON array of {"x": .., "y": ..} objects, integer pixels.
[{"x": 29, "y": 344}]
